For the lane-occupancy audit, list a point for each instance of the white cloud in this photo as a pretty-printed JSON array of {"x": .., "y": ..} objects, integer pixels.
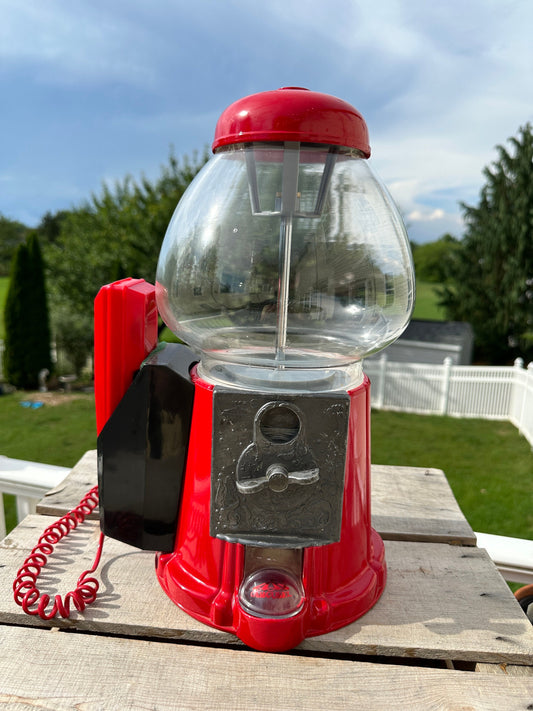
[
  {"x": 426, "y": 215},
  {"x": 444, "y": 83},
  {"x": 440, "y": 84}
]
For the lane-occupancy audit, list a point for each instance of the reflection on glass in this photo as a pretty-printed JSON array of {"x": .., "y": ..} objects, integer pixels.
[{"x": 285, "y": 257}]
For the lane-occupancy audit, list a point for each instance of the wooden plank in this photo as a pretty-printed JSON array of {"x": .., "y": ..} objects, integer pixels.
[
  {"x": 63, "y": 671},
  {"x": 408, "y": 503},
  {"x": 417, "y": 504},
  {"x": 440, "y": 602},
  {"x": 69, "y": 492},
  {"x": 506, "y": 669}
]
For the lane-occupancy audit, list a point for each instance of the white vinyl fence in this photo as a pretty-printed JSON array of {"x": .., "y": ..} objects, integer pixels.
[{"x": 487, "y": 392}]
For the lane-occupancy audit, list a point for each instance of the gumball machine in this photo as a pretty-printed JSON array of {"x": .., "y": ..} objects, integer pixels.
[{"x": 243, "y": 457}]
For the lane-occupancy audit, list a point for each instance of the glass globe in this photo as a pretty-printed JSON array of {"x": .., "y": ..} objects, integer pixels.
[{"x": 285, "y": 265}]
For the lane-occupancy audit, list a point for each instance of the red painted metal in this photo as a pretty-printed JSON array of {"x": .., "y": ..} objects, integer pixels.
[
  {"x": 125, "y": 332},
  {"x": 292, "y": 114},
  {"x": 341, "y": 580}
]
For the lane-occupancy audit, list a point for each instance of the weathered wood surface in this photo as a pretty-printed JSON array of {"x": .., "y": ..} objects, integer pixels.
[
  {"x": 408, "y": 503},
  {"x": 56, "y": 670},
  {"x": 440, "y": 602},
  {"x": 417, "y": 504},
  {"x": 69, "y": 492},
  {"x": 505, "y": 669}
]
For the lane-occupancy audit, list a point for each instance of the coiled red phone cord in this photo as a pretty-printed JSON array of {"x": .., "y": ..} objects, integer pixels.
[{"x": 25, "y": 588}]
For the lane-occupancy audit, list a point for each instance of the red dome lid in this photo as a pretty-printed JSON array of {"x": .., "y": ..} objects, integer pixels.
[{"x": 292, "y": 114}]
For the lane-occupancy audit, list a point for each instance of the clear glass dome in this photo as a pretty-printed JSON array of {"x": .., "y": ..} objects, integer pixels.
[{"x": 285, "y": 257}]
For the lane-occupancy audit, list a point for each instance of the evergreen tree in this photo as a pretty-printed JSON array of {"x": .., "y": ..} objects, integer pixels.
[
  {"x": 15, "y": 359},
  {"x": 12, "y": 233},
  {"x": 491, "y": 275},
  {"x": 27, "y": 335},
  {"x": 37, "y": 319}
]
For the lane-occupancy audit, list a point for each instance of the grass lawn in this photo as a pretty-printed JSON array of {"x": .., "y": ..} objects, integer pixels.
[
  {"x": 53, "y": 434},
  {"x": 488, "y": 464},
  {"x": 426, "y": 304}
]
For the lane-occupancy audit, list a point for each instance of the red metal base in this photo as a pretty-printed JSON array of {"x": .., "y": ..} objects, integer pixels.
[{"x": 341, "y": 580}]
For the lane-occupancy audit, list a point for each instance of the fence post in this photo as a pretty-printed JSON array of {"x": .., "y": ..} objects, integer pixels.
[
  {"x": 380, "y": 394},
  {"x": 526, "y": 428},
  {"x": 518, "y": 410},
  {"x": 2, "y": 518},
  {"x": 446, "y": 376}
]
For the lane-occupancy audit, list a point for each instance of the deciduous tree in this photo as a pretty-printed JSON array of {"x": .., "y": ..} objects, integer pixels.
[
  {"x": 432, "y": 259},
  {"x": 117, "y": 233}
]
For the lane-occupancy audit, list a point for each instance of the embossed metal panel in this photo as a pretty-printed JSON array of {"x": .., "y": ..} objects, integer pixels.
[{"x": 278, "y": 467}]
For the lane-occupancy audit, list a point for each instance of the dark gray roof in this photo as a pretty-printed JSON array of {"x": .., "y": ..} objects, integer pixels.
[{"x": 438, "y": 331}]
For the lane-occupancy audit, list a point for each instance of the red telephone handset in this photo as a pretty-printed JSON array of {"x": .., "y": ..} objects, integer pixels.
[{"x": 125, "y": 332}]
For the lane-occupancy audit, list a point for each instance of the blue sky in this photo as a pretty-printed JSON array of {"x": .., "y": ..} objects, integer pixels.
[{"x": 93, "y": 90}]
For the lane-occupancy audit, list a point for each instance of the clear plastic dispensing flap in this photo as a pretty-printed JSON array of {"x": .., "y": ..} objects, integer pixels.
[
  {"x": 272, "y": 582},
  {"x": 286, "y": 264}
]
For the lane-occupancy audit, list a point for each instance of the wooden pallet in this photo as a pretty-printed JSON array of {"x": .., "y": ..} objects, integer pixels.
[
  {"x": 408, "y": 503},
  {"x": 447, "y": 632},
  {"x": 60, "y": 671}
]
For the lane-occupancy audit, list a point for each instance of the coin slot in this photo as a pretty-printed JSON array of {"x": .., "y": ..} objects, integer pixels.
[{"x": 279, "y": 425}]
